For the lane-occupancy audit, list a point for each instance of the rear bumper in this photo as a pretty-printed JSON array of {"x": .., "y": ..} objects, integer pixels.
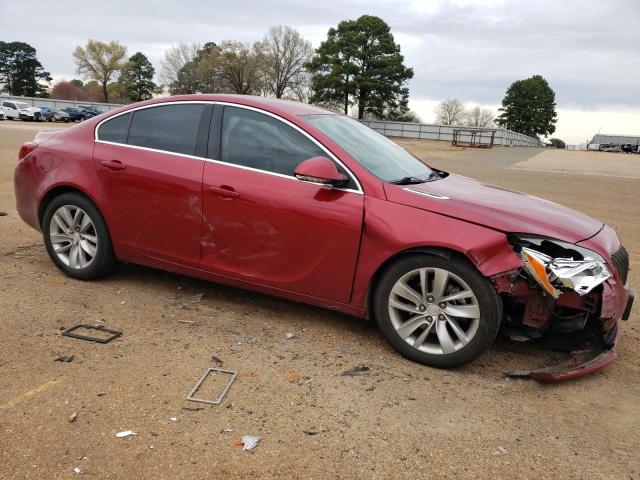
[{"x": 26, "y": 188}]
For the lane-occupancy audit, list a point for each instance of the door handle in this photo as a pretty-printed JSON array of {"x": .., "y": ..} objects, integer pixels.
[
  {"x": 114, "y": 164},
  {"x": 224, "y": 191}
]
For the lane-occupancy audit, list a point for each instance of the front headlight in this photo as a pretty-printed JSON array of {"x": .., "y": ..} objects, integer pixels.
[{"x": 562, "y": 271}]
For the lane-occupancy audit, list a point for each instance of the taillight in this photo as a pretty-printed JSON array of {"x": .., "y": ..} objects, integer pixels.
[{"x": 26, "y": 149}]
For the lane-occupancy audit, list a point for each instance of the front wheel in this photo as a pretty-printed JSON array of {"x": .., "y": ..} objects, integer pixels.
[
  {"x": 437, "y": 311},
  {"x": 76, "y": 237}
]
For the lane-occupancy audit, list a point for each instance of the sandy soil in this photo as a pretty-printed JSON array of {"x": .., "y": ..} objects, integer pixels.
[
  {"x": 399, "y": 419},
  {"x": 587, "y": 163}
]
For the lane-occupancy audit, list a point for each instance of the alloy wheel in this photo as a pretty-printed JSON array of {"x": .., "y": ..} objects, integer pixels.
[
  {"x": 73, "y": 236},
  {"x": 434, "y": 310}
]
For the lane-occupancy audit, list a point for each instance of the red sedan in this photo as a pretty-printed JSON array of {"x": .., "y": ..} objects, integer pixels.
[{"x": 296, "y": 201}]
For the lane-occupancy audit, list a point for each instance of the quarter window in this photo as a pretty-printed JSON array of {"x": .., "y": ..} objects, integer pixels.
[
  {"x": 173, "y": 128},
  {"x": 252, "y": 139},
  {"x": 116, "y": 129}
]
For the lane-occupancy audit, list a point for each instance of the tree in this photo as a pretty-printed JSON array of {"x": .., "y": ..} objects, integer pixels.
[
  {"x": 20, "y": 71},
  {"x": 241, "y": 66},
  {"x": 360, "y": 63},
  {"x": 557, "y": 143},
  {"x": 478, "y": 117},
  {"x": 200, "y": 74},
  {"x": 73, "y": 90},
  {"x": 137, "y": 78},
  {"x": 173, "y": 63},
  {"x": 286, "y": 54},
  {"x": 529, "y": 107},
  {"x": 450, "y": 112},
  {"x": 100, "y": 61}
]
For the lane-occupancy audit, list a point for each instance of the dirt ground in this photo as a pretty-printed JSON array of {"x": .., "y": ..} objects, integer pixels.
[{"x": 398, "y": 419}]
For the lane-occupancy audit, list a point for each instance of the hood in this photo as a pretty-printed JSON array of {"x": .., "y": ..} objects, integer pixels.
[{"x": 495, "y": 207}]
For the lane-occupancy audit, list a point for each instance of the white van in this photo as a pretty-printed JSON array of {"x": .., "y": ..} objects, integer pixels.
[{"x": 20, "y": 110}]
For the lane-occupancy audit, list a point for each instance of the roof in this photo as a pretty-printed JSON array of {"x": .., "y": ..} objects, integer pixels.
[
  {"x": 602, "y": 138},
  {"x": 267, "y": 103}
]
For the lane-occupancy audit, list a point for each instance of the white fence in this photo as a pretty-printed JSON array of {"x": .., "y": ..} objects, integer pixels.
[
  {"x": 503, "y": 137},
  {"x": 53, "y": 102}
]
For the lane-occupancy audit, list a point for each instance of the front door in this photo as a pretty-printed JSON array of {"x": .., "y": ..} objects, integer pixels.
[{"x": 261, "y": 224}]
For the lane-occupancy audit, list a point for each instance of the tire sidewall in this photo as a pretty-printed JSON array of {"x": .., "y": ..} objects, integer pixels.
[
  {"x": 488, "y": 302},
  {"x": 104, "y": 257}
]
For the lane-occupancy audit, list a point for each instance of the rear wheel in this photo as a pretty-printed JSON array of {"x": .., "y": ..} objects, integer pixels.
[
  {"x": 76, "y": 237},
  {"x": 437, "y": 311}
]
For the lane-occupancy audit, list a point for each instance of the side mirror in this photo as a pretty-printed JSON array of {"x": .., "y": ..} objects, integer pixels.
[{"x": 320, "y": 170}]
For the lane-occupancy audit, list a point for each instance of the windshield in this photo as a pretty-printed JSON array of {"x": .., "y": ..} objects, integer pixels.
[
  {"x": 21, "y": 106},
  {"x": 385, "y": 159}
]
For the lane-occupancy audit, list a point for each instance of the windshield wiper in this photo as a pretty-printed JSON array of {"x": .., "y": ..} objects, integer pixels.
[{"x": 408, "y": 181}]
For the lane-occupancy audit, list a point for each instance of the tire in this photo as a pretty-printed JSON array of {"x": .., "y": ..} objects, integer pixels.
[
  {"x": 71, "y": 248},
  {"x": 436, "y": 325}
]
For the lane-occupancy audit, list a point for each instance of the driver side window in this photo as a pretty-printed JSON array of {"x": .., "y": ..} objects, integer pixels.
[{"x": 256, "y": 140}]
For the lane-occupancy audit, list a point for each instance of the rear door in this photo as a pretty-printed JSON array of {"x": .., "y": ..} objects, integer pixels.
[
  {"x": 264, "y": 226},
  {"x": 150, "y": 165}
]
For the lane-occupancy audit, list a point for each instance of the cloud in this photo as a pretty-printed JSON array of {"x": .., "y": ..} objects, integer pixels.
[{"x": 471, "y": 49}]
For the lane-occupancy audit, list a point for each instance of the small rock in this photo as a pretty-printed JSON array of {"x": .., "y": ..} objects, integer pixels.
[
  {"x": 64, "y": 358},
  {"x": 216, "y": 360},
  {"x": 126, "y": 433},
  {"x": 290, "y": 335},
  {"x": 101, "y": 394},
  {"x": 3, "y": 214},
  {"x": 311, "y": 432},
  {"x": 77, "y": 470},
  {"x": 355, "y": 371},
  {"x": 192, "y": 409},
  {"x": 499, "y": 451},
  {"x": 72, "y": 417}
]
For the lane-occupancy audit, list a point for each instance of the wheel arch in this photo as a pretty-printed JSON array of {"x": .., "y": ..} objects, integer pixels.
[
  {"x": 443, "y": 252},
  {"x": 57, "y": 190}
]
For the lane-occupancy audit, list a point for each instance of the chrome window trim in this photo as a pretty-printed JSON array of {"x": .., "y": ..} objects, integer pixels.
[{"x": 359, "y": 189}]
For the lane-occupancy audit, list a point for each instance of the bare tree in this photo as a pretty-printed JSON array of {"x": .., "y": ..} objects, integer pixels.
[
  {"x": 450, "y": 112},
  {"x": 286, "y": 54},
  {"x": 100, "y": 61},
  {"x": 241, "y": 66},
  {"x": 479, "y": 117},
  {"x": 175, "y": 58}
]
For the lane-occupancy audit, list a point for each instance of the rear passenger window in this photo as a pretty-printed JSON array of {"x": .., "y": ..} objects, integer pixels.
[
  {"x": 259, "y": 141},
  {"x": 173, "y": 128},
  {"x": 115, "y": 130}
]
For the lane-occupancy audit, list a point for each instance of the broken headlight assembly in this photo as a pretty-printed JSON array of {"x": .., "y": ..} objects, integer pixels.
[{"x": 557, "y": 266}]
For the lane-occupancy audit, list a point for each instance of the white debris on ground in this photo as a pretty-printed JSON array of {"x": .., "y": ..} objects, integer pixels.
[
  {"x": 126, "y": 433},
  {"x": 250, "y": 442}
]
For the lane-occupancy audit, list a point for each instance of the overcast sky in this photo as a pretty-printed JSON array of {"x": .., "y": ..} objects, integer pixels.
[{"x": 588, "y": 50}]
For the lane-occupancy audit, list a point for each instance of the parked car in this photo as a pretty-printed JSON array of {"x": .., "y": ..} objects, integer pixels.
[
  {"x": 75, "y": 114},
  {"x": 20, "y": 110},
  {"x": 610, "y": 148},
  {"x": 54, "y": 115},
  {"x": 297, "y": 201},
  {"x": 2, "y": 117},
  {"x": 90, "y": 108}
]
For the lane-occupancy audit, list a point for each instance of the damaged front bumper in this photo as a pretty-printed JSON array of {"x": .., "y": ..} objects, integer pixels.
[{"x": 541, "y": 303}]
